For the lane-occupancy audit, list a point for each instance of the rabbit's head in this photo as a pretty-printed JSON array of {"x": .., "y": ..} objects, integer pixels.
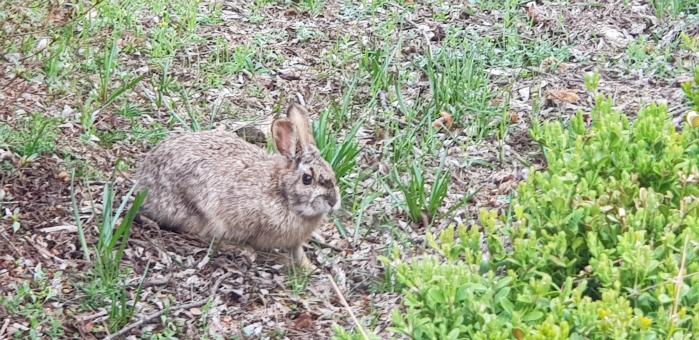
[{"x": 309, "y": 183}]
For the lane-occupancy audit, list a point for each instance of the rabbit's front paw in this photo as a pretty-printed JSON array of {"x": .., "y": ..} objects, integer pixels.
[{"x": 299, "y": 258}]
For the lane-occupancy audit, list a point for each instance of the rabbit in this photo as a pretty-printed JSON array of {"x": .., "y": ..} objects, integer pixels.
[{"x": 216, "y": 185}]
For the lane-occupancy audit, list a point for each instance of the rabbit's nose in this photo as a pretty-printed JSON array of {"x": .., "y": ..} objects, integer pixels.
[{"x": 333, "y": 201}]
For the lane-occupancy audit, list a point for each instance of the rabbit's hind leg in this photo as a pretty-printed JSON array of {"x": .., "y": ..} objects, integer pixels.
[{"x": 148, "y": 217}]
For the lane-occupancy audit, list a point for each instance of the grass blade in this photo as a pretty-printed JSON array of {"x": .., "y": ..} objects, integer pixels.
[
  {"x": 121, "y": 90},
  {"x": 124, "y": 231},
  {"x": 76, "y": 215}
]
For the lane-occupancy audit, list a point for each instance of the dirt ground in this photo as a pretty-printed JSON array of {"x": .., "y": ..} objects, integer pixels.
[{"x": 639, "y": 55}]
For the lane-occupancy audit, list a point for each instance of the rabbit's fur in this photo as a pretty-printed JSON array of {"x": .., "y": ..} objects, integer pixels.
[{"x": 215, "y": 184}]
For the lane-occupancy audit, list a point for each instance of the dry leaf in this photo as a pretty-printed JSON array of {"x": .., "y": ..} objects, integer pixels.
[
  {"x": 693, "y": 119},
  {"x": 63, "y": 175},
  {"x": 88, "y": 327},
  {"x": 564, "y": 96},
  {"x": 548, "y": 63},
  {"x": 518, "y": 334},
  {"x": 534, "y": 13},
  {"x": 614, "y": 37},
  {"x": 445, "y": 121},
  {"x": 515, "y": 118},
  {"x": 304, "y": 321}
]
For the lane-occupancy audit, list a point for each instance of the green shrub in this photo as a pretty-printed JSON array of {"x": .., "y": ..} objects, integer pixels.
[{"x": 603, "y": 242}]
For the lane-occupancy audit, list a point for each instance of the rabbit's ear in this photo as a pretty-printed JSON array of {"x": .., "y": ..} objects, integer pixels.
[
  {"x": 299, "y": 116},
  {"x": 285, "y": 137}
]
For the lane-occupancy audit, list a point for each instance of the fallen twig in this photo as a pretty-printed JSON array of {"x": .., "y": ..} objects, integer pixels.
[
  {"x": 90, "y": 317},
  {"x": 347, "y": 307},
  {"x": 4, "y": 326},
  {"x": 153, "y": 282},
  {"x": 679, "y": 281},
  {"x": 325, "y": 245},
  {"x": 12, "y": 246},
  {"x": 157, "y": 314}
]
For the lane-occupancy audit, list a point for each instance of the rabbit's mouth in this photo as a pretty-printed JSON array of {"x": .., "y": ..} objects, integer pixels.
[
  {"x": 320, "y": 206},
  {"x": 336, "y": 207}
]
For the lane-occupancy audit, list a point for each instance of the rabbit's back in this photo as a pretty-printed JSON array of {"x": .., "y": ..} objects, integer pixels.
[{"x": 187, "y": 177}]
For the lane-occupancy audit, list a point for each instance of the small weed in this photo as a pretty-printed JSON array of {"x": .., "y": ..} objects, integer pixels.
[
  {"x": 691, "y": 90},
  {"x": 312, "y": 7},
  {"x": 225, "y": 63},
  {"x": 108, "y": 68},
  {"x": 422, "y": 205},
  {"x": 165, "y": 83},
  {"x": 169, "y": 331},
  {"x": 76, "y": 216},
  {"x": 689, "y": 43},
  {"x": 376, "y": 63},
  {"x": 130, "y": 111},
  {"x": 672, "y": 8},
  {"x": 340, "y": 333},
  {"x": 120, "y": 312},
  {"x": 643, "y": 57},
  {"x": 34, "y": 136},
  {"x": 460, "y": 87},
  {"x": 16, "y": 220},
  {"x": 360, "y": 210},
  {"x": 83, "y": 168},
  {"x": 151, "y": 135},
  {"x": 191, "y": 113},
  {"x": 306, "y": 34},
  {"x": 55, "y": 66},
  {"x": 106, "y": 277},
  {"x": 342, "y": 155},
  {"x": 112, "y": 240},
  {"x": 28, "y": 303},
  {"x": 298, "y": 280},
  {"x": 108, "y": 138},
  {"x": 342, "y": 53}
]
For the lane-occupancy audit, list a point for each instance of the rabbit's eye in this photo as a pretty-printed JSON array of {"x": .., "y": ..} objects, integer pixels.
[{"x": 307, "y": 179}]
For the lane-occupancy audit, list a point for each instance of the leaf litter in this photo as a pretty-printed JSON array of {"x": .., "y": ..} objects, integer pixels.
[{"x": 257, "y": 298}]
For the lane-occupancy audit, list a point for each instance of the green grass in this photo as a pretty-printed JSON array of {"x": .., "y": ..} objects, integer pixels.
[
  {"x": 124, "y": 74},
  {"x": 422, "y": 204},
  {"x": 312, "y": 7},
  {"x": 150, "y": 135},
  {"x": 298, "y": 280},
  {"x": 642, "y": 57},
  {"x": 113, "y": 238},
  {"x": 31, "y": 302},
  {"x": 105, "y": 285},
  {"x": 34, "y": 136},
  {"x": 341, "y": 154},
  {"x": 672, "y": 8},
  {"x": 461, "y": 88}
]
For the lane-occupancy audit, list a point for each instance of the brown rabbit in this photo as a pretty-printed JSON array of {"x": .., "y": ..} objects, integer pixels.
[{"x": 215, "y": 184}]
